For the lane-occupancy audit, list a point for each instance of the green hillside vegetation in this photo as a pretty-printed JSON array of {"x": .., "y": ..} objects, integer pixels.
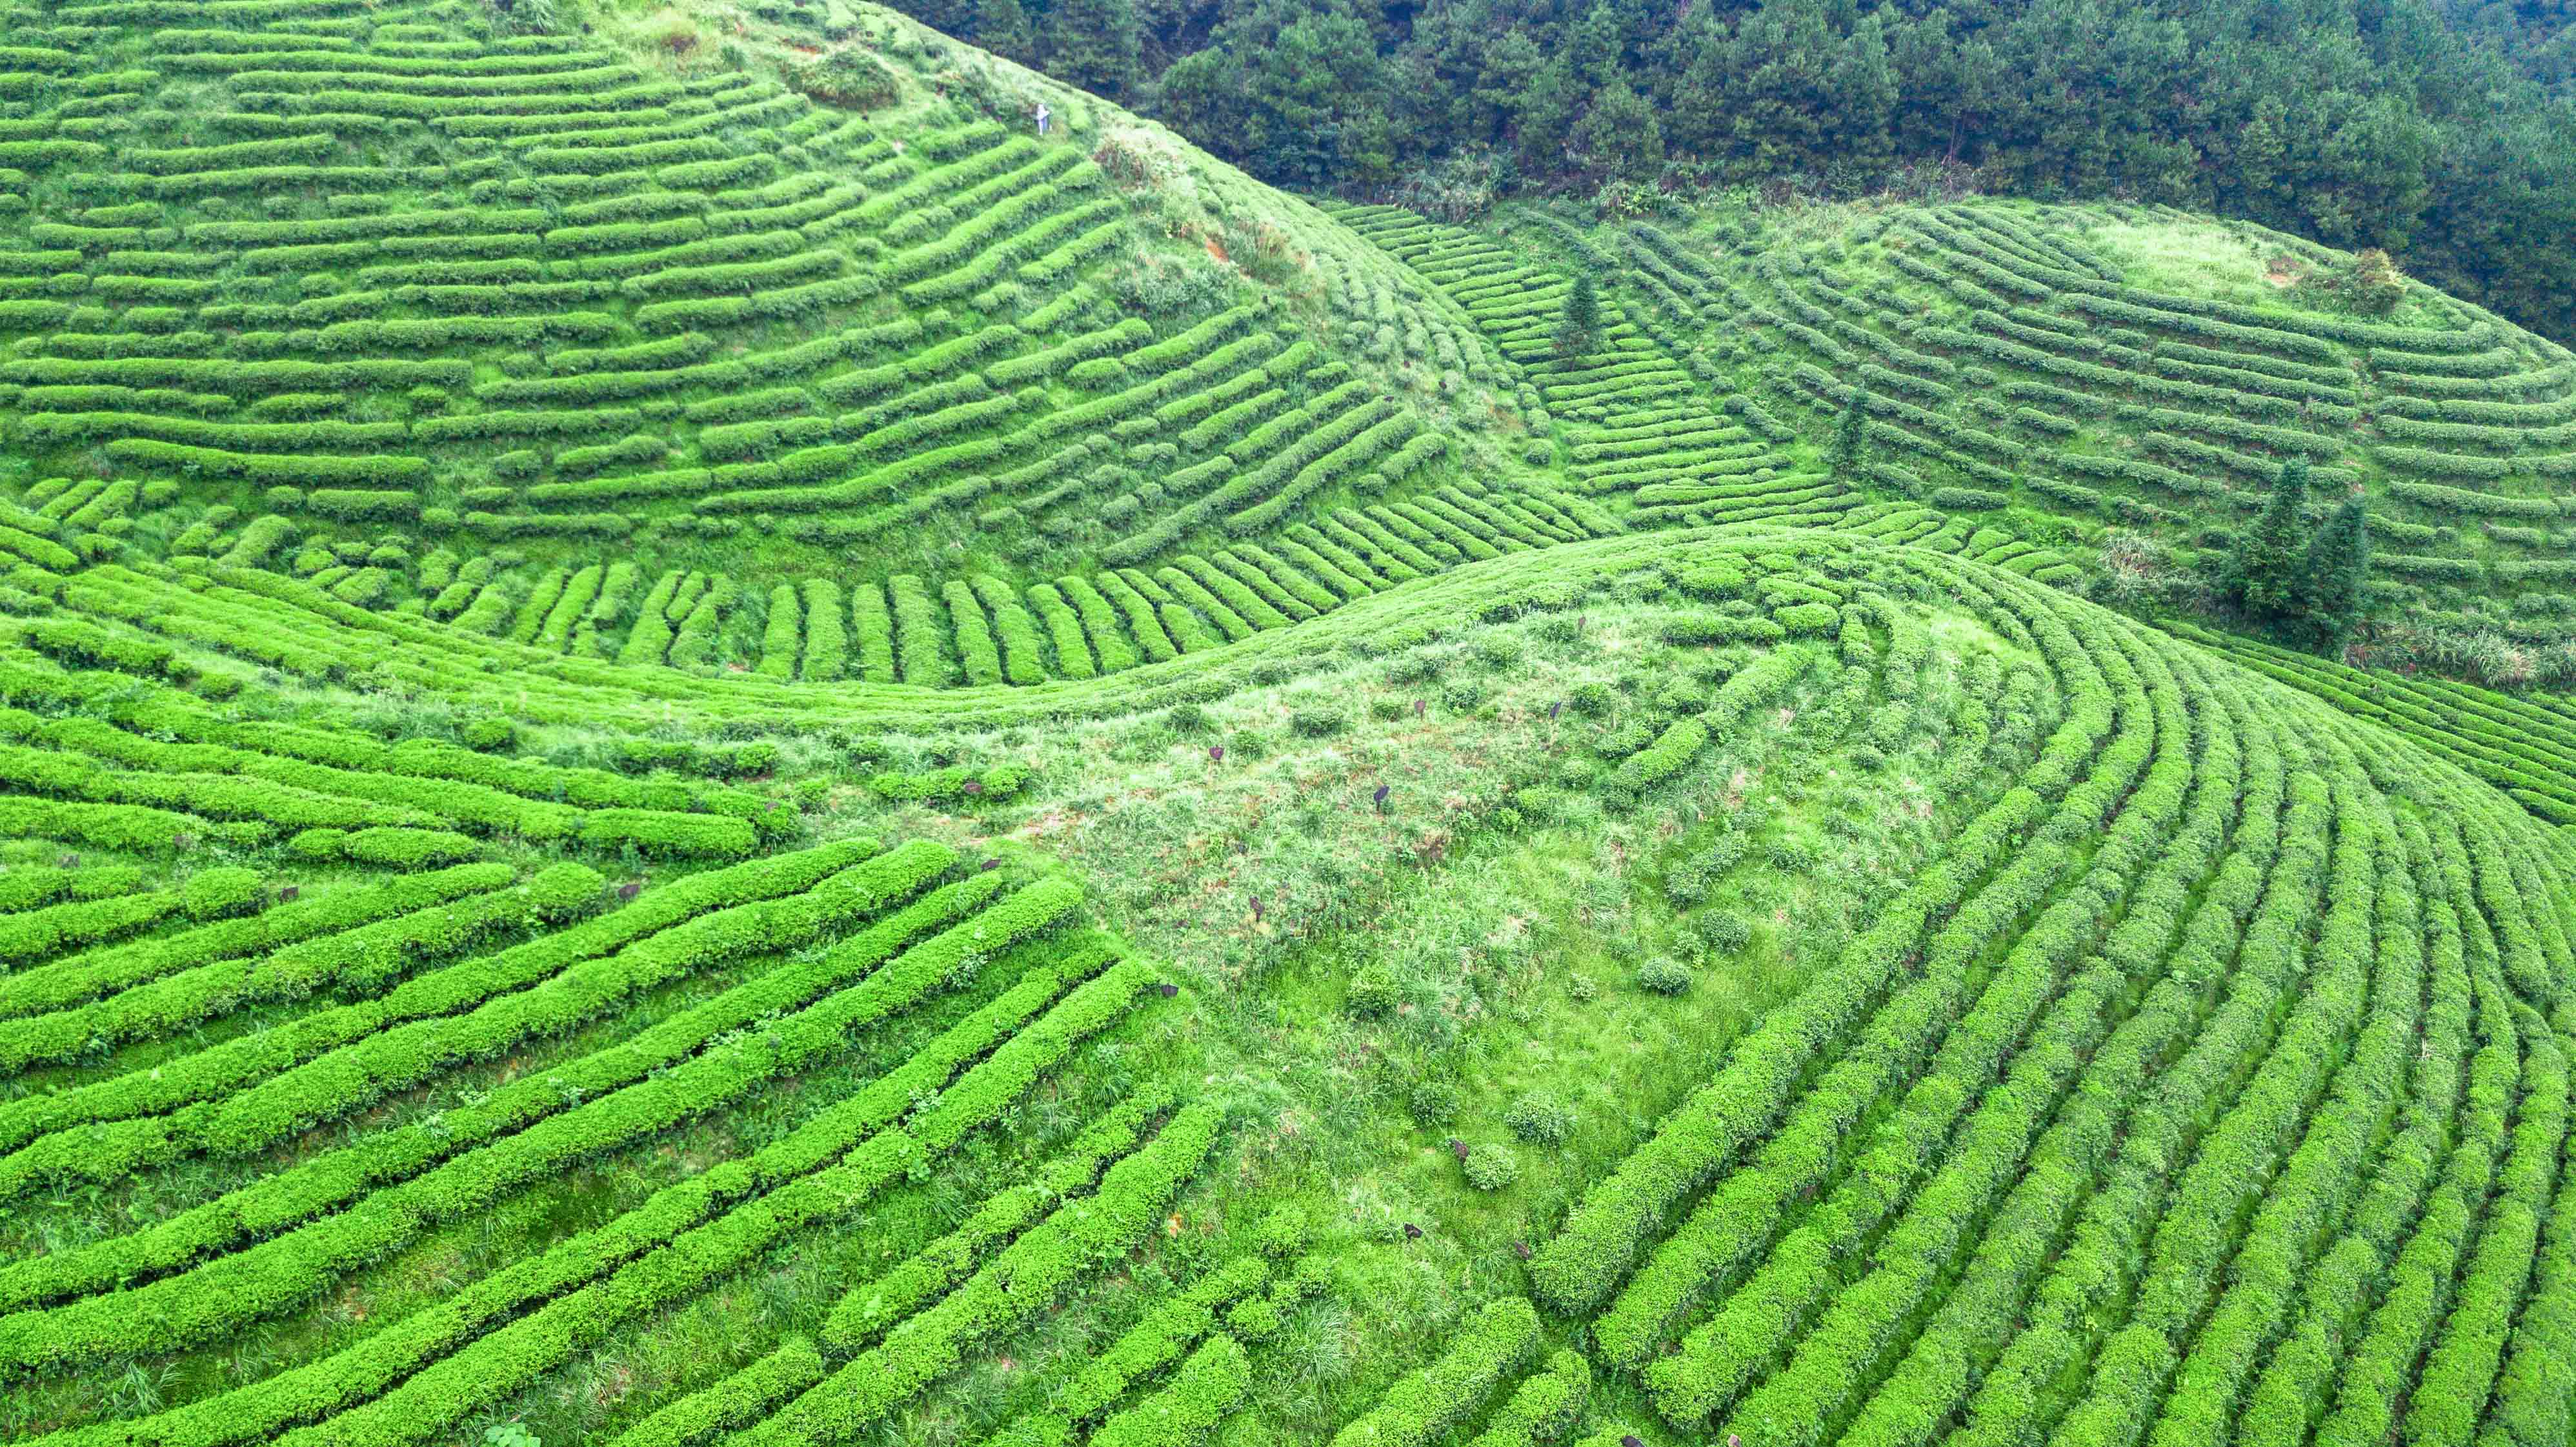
[
  {"x": 2121, "y": 384},
  {"x": 701, "y": 745},
  {"x": 664, "y": 362}
]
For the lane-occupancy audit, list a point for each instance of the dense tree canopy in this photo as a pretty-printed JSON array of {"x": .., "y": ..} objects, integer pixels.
[{"x": 2443, "y": 132}]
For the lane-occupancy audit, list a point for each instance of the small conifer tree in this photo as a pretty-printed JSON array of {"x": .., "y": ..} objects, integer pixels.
[
  {"x": 1582, "y": 318},
  {"x": 2332, "y": 575},
  {"x": 2269, "y": 554}
]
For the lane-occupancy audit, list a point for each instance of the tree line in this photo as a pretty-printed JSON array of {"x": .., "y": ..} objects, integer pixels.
[{"x": 2441, "y": 132}]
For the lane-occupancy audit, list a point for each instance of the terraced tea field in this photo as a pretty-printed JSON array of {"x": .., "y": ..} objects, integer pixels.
[
  {"x": 700, "y": 743},
  {"x": 2058, "y": 371}
]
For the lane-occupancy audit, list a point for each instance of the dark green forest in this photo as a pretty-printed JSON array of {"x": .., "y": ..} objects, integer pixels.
[{"x": 2443, "y": 134}]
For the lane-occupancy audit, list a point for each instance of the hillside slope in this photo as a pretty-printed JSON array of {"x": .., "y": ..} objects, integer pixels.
[
  {"x": 2122, "y": 382},
  {"x": 1068, "y": 802},
  {"x": 2094, "y": 939},
  {"x": 542, "y": 339}
]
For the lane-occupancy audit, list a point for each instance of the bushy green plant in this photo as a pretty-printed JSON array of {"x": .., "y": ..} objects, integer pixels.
[
  {"x": 1373, "y": 994},
  {"x": 1317, "y": 721},
  {"x": 1559, "y": 627},
  {"x": 219, "y": 893},
  {"x": 1434, "y": 1103},
  {"x": 1664, "y": 976},
  {"x": 846, "y": 76},
  {"x": 1723, "y": 931},
  {"x": 1540, "y": 1118},
  {"x": 1491, "y": 1167},
  {"x": 1419, "y": 666},
  {"x": 1285, "y": 1231},
  {"x": 565, "y": 891}
]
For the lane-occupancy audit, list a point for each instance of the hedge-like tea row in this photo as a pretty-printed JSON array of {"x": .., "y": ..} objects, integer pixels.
[
  {"x": 1546, "y": 1407},
  {"x": 261, "y": 1279},
  {"x": 1486, "y": 1351},
  {"x": 1681, "y": 742},
  {"x": 466, "y": 990},
  {"x": 1075, "y": 1240},
  {"x": 1717, "y": 1357},
  {"x": 1579, "y": 1266},
  {"x": 470, "y": 1350},
  {"x": 1167, "y": 1332},
  {"x": 930, "y": 1272},
  {"x": 1201, "y": 1395},
  {"x": 363, "y": 957},
  {"x": 338, "y": 1080},
  {"x": 2217, "y": 388}
]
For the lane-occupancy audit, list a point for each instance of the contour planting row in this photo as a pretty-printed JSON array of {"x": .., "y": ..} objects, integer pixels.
[
  {"x": 616, "y": 243},
  {"x": 266, "y": 1109},
  {"x": 408, "y": 1381},
  {"x": 2001, "y": 360},
  {"x": 2135, "y": 1080},
  {"x": 2524, "y": 744},
  {"x": 281, "y": 623},
  {"x": 980, "y": 630},
  {"x": 620, "y": 232},
  {"x": 1640, "y": 388},
  {"x": 243, "y": 1094},
  {"x": 155, "y": 769}
]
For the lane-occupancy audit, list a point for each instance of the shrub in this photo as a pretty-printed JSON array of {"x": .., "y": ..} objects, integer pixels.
[
  {"x": 1485, "y": 1351},
  {"x": 1540, "y": 1118},
  {"x": 1723, "y": 931},
  {"x": 1284, "y": 1232},
  {"x": 1434, "y": 1103},
  {"x": 1491, "y": 1167},
  {"x": 1809, "y": 620},
  {"x": 217, "y": 893},
  {"x": 846, "y": 76},
  {"x": 1664, "y": 977},
  {"x": 565, "y": 891},
  {"x": 1317, "y": 721},
  {"x": 1716, "y": 579}
]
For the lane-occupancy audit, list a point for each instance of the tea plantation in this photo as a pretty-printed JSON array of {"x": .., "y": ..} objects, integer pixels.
[{"x": 703, "y": 741}]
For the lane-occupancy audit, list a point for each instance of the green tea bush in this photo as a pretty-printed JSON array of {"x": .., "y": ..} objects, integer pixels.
[
  {"x": 1491, "y": 1167},
  {"x": 1540, "y": 1118},
  {"x": 1373, "y": 993},
  {"x": 1723, "y": 931},
  {"x": 1664, "y": 976}
]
